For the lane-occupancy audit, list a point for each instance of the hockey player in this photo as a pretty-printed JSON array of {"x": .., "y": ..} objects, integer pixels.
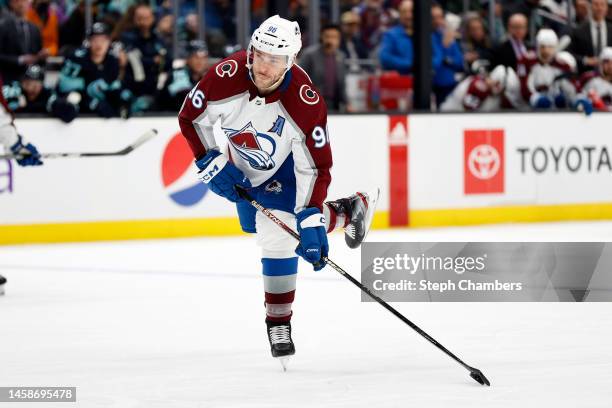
[
  {"x": 549, "y": 83},
  {"x": 275, "y": 122},
  {"x": 486, "y": 92},
  {"x": 16, "y": 144},
  {"x": 90, "y": 76},
  {"x": 597, "y": 86},
  {"x": 31, "y": 96}
]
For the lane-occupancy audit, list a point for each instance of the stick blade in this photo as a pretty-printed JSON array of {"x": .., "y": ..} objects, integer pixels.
[
  {"x": 140, "y": 141},
  {"x": 480, "y": 378}
]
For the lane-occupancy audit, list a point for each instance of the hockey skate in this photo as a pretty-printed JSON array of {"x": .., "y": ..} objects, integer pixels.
[
  {"x": 359, "y": 208},
  {"x": 281, "y": 344},
  {"x": 2, "y": 282}
]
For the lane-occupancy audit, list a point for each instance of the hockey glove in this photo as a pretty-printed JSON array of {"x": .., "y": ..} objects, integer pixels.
[
  {"x": 27, "y": 153},
  {"x": 313, "y": 237},
  {"x": 560, "y": 101},
  {"x": 584, "y": 105},
  {"x": 221, "y": 175},
  {"x": 540, "y": 101}
]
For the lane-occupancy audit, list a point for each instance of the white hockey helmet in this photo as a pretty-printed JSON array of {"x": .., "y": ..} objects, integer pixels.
[
  {"x": 606, "y": 54},
  {"x": 547, "y": 37},
  {"x": 567, "y": 58},
  {"x": 499, "y": 76},
  {"x": 276, "y": 36}
]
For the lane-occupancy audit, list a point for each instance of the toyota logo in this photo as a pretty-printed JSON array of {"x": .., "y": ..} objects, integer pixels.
[{"x": 484, "y": 161}]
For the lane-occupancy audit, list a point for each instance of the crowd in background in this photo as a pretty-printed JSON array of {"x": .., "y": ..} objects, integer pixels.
[{"x": 531, "y": 54}]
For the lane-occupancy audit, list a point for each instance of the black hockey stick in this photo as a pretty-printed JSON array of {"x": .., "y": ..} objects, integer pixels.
[
  {"x": 128, "y": 149},
  {"x": 475, "y": 373}
]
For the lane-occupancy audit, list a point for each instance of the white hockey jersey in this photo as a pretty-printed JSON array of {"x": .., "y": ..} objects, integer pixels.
[
  {"x": 263, "y": 132},
  {"x": 598, "y": 90},
  {"x": 550, "y": 80},
  {"x": 474, "y": 94}
]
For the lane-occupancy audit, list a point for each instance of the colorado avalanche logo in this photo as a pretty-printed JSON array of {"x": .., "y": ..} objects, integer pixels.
[
  {"x": 229, "y": 68},
  {"x": 256, "y": 148},
  {"x": 308, "y": 95}
]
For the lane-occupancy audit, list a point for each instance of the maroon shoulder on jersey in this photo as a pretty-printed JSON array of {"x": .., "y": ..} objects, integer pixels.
[
  {"x": 477, "y": 92},
  {"x": 303, "y": 102},
  {"x": 562, "y": 65},
  {"x": 585, "y": 78},
  {"x": 306, "y": 108},
  {"x": 225, "y": 79}
]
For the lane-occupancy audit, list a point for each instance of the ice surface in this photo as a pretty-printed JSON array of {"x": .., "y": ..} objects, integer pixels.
[{"x": 180, "y": 323}]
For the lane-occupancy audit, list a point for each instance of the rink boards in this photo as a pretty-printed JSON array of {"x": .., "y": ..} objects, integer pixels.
[{"x": 433, "y": 170}]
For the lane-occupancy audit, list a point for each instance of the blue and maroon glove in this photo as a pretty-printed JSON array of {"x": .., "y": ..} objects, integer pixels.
[
  {"x": 27, "y": 153},
  {"x": 313, "y": 237},
  {"x": 221, "y": 175}
]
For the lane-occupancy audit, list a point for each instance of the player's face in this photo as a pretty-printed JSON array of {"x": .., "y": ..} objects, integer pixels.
[
  {"x": 198, "y": 62},
  {"x": 143, "y": 18},
  {"x": 31, "y": 88},
  {"x": 606, "y": 67},
  {"x": 547, "y": 53},
  {"x": 99, "y": 45},
  {"x": 267, "y": 69}
]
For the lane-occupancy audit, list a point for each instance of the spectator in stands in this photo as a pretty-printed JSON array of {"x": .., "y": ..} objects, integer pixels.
[
  {"x": 125, "y": 24},
  {"x": 457, "y": 6},
  {"x": 476, "y": 44},
  {"x": 90, "y": 77},
  {"x": 220, "y": 22},
  {"x": 497, "y": 33},
  {"x": 146, "y": 59},
  {"x": 20, "y": 42},
  {"x": 324, "y": 63},
  {"x": 514, "y": 48},
  {"x": 375, "y": 20},
  {"x": 31, "y": 96},
  {"x": 581, "y": 11},
  {"x": 165, "y": 30},
  {"x": 591, "y": 37},
  {"x": 445, "y": 44},
  {"x": 597, "y": 86},
  {"x": 396, "y": 50},
  {"x": 72, "y": 31},
  {"x": 42, "y": 14},
  {"x": 352, "y": 46},
  {"x": 182, "y": 80},
  {"x": 524, "y": 7}
]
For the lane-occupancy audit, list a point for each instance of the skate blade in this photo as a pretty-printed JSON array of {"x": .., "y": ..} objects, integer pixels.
[
  {"x": 373, "y": 195},
  {"x": 284, "y": 361}
]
